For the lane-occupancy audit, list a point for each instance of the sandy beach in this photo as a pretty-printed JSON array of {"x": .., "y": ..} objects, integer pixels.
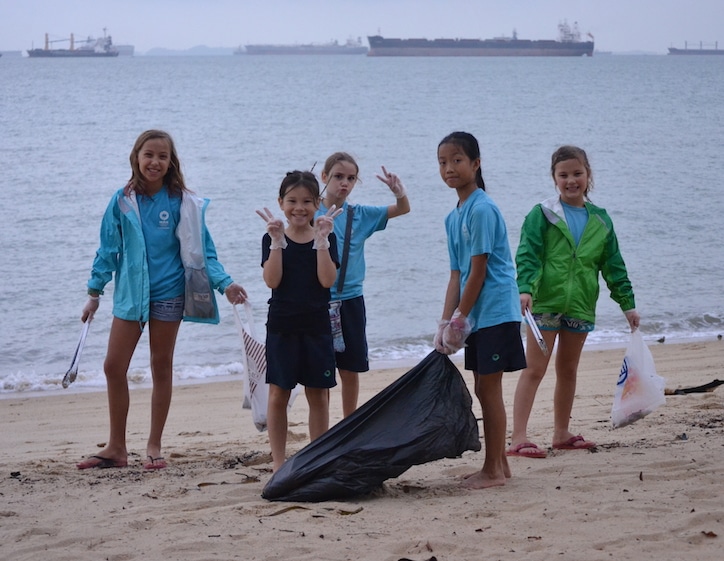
[{"x": 651, "y": 490}]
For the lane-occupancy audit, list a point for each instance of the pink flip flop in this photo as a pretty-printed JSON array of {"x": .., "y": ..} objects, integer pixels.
[
  {"x": 519, "y": 450},
  {"x": 575, "y": 443}
]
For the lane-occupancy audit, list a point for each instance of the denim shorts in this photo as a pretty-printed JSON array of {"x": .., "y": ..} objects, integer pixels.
[
  {"x": 168, "y": 310},
  {"x": 556, "y": 322}
]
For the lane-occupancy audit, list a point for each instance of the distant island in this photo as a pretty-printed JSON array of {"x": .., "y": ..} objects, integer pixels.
[{"x": 199, "y": 50}]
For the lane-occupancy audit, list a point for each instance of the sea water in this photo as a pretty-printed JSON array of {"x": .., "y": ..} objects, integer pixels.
[{"x": 651, "y": 125}]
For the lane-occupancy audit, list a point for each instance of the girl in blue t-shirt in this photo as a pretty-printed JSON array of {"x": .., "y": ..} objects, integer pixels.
[
  {"x": 481, "y": 310},
  {"x": 300, "y": 264},
  {"x": 340, "y": 175},
  {"x": 155, "y": 246}
]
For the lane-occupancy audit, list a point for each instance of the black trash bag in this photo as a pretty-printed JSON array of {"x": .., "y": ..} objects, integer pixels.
[{"x": 423, "y": 416}]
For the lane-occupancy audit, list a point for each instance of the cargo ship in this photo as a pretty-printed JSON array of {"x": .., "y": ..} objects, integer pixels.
[
  {"x": 687, "y": 50},
  {"x": 89, "y": 48},
  {"x": 568, "y": 44},
  {"x": 351, "y": 47}
]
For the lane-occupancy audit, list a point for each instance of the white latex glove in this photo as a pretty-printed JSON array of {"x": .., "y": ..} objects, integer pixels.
[
  {"x": 90, "y": 308},
  {"x": 633, "y": 318},
  {"x": 323, "y": 226},
  {"x": 275, "y": 229},
  {"x": 456, "y": 332},
  {"x": 437, "y": 341},
  {"x": 394, "y": 183},
  {"x": 235, "y": 293}
]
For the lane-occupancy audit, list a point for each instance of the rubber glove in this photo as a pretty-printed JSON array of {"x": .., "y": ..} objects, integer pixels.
[
  {"x": 90, "y": 308},
  {"x": 275, "y": 229},
  {"x": 323, "y": 226},
  {"x": 235, "y": 293},
  {"x": 437, "y": 341},
  {"x": 456, "y": 332},
  {"x": 394, "y": 183},
  {"x": 633, "y": 318}
]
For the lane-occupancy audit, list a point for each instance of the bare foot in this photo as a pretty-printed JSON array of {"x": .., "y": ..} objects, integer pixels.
[
  {"x": 480, "y": 480},
  {"x": 506, "y": 468},
  {"x": 101, "y": 462}
]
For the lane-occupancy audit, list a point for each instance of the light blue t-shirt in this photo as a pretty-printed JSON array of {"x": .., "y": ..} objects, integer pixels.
[
  {"x": 366, "y": 220},
  {"x": 576, "y": 219},
  {"x": 477, "y": 228},
  {"x": 159, "y": 218}
]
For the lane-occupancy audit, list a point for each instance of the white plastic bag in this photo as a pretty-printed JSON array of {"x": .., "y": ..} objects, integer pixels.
[
  {"x": 256, "y": 390},
  {"x": 639, "y": 389}
]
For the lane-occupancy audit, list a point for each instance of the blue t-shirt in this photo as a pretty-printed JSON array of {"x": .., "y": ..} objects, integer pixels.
[
  {"x": 160, "y": 215},
  {"x": 366, "y": 220},
  {"x": 477, "y": 228},
  {"x": 576, "y": 219}
]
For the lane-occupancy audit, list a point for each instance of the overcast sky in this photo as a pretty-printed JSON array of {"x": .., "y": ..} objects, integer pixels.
[{"x": 618, "y": 25}]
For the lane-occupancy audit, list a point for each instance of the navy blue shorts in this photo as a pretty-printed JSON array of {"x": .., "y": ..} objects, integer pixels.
[
  {"x": 353, "y": 315},
  {"x": 300, "y": 358},
  {"x": 495, "y": 349}
]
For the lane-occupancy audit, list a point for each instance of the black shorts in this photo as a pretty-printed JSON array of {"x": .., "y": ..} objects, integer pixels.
[
  {"x": 300, "y": 358},
  {"x": 495, "y": 349},
  {"x": 353, "y": 316}
]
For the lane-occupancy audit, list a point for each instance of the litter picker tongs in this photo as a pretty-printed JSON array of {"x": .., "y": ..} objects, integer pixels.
[
  {"x": 69, "y": 377},
  {"x": 536, "y": 332}
]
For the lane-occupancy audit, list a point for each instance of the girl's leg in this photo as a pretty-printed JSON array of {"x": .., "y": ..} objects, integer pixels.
[
  {"x": 570, "y": 345},
  {"x": 489, "y": 391},
  {"x": 162, "y": 341},
  {"x": 528, "y": 382},
  {"x": 276, "y": 418},
  {"x": 350, "y": 391},
  {"x": 318, "y": 399},
  {"x": 122, "y": 343}
]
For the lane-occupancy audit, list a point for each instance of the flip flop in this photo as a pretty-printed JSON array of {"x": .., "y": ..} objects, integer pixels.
[
  {"x": 575, "y": 443},
  {"x": 100, "y": 462},
  {"x": 155, "y": 463},
  {"x": 519, "y": 450}
]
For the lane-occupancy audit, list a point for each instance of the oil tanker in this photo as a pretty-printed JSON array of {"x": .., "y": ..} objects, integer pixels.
[
  {"x": 687, "y": 50},
  {"x": 568, "y": 44}
]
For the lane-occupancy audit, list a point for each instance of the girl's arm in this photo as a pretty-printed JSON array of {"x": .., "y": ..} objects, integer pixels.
[
  {"x": 326, "y": 268},
  {"x": 273, "y": 268},
  {"x": 402, "y": 206},
  {"x": 452, "y": 295},
  {"x": 324, "y": 238},
  {"x": 111, "y": 246},
  {"x": 531, "y": 251},
  {"x": 277, "y": 241},
  {"x": 451, "y": 334},
  {"x": 474, "y": 284}
]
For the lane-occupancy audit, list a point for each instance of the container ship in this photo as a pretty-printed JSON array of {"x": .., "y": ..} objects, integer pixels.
[
  {"x": 568, "y": 44},
  {"x": 351, "y": 47},
  {"x": 89, "y": 48},
  {"x": 700, "y": 50}
]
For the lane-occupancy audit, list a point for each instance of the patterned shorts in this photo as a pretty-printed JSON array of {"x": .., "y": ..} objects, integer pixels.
[{"x": 556, "y": 322}]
